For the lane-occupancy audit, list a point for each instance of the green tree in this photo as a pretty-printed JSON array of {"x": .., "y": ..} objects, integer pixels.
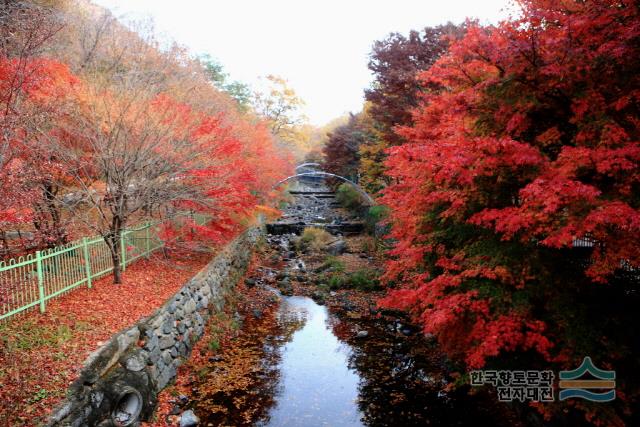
[{"x": 239, "y": 91}]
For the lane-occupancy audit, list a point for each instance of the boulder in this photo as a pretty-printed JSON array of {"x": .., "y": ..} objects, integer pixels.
[
  {"x": 336, "y": 248},
  {"x": 189, "y": 419}
]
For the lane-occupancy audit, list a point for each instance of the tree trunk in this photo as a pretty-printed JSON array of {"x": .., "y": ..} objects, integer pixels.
[
  {"x": 117, "y": 271},
  {"x": 5, "y": 251},
  {"x": 50, "y": 192},
  {"x": 113, "y": 242}
]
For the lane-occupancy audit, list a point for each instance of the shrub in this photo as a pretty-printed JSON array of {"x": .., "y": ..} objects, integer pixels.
[
  {"x": 372, "y": 219},
  {"x": 364, "y": 280},
  {"x": 214, "y": 344},
  {"x": 332, "y": 263},
  {"x": 314, "y": 238},
  {"x": 349, "y": 198},
  {"x": 336, "y": 281}
]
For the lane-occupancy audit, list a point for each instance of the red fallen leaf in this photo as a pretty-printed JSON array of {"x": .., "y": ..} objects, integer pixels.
[{"x": 36, "y": 374}]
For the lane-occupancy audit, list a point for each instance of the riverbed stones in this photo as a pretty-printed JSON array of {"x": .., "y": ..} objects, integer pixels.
[
  {"x": 362, "y": 334},
  {"x": 406, "y": 331},
  {"x": 318, "y": 297},
  {"x": 336, "y": 248},
  {"x": 189, "y": 419},
  {"x": 285, "y": 287}
]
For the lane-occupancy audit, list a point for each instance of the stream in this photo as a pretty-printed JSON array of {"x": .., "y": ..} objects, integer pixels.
[
  {"x": 317, "y": 385},
  {"x": 328, "y": 376},
  {"x": 328, "y": 356}
]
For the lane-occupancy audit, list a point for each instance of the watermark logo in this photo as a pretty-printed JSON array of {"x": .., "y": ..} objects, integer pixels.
[
  {"x": 537, "y": 386},
  {"x": 571, "y": 384}
]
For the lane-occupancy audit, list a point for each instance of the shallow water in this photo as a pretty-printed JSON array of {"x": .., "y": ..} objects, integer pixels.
[
  {"x": 311, "y": 369},
  {"x": 317, "y": 386},
  {"x": 329, "y": 377}
]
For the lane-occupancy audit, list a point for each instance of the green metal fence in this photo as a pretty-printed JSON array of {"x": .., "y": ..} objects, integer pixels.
[{"x": 32, "y": 280}]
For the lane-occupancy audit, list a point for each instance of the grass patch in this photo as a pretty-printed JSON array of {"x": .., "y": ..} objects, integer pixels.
[
  {"x": 213, "y": 344},
  {"x": 336, "y": 281},
  {"x": 202, "y": 373},
  {"x": 31, "y": 335},
  {"x": 217, "y": 326},
  {"x": 235, "y": 325},
  {"x": 333, "y": 264},
  {"x": 39, "y": 395},
  {"x": 362, "y": 280}
]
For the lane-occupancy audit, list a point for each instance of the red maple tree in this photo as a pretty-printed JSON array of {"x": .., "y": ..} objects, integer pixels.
[{"x": 530, "y": 148}]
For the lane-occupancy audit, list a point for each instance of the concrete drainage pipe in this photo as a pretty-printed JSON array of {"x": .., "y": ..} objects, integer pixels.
[{"x": 127, "y": 408}]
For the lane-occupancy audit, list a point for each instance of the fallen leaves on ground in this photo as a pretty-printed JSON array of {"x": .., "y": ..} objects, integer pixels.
[
  {"x": 226, "y": 382},
  {"x": 41, "y": 354}
]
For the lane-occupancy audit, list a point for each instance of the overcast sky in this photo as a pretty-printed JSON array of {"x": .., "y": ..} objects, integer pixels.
[{"x": 321, "y": 47}]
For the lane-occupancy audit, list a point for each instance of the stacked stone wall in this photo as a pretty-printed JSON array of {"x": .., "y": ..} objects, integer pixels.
[{"x": 119, "y": 382}]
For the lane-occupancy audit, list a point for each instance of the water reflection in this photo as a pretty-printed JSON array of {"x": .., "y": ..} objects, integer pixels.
[
  {"x": 403, "y": 382},
  {"x": 317, "y": 386},
  {"x": 329, "y": 376},
  {"x": 313, "y": 370}
]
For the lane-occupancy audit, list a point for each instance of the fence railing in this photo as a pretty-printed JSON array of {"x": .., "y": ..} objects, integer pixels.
[{"x": 32, "y": 280}]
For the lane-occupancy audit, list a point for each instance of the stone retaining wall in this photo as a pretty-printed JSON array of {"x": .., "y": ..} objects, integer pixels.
[{"x": 119, "y": 382}]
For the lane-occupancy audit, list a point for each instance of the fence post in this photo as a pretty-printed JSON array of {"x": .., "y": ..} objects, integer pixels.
[
  {"x": 148, "y": 238},
  {"x": 87, "y": 261},
  {"x": 40, "y": 280},
  {"x": 123, "y": 249}
]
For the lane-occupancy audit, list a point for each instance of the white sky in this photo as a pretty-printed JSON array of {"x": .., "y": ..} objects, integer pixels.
[{"x": 321, "y": 47}]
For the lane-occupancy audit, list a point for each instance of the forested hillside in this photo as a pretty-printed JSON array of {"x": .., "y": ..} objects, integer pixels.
[{"x": 102, "y": 127}]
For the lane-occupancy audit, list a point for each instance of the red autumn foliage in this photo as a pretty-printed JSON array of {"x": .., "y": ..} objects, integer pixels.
[
  {"x": 237, "y": 177},
  {"x": 532, "y": 143},
  {"x": 394, "y": 61},
  {"x": 59, "y": 141},
  {"x": 34, "y": 94}
]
